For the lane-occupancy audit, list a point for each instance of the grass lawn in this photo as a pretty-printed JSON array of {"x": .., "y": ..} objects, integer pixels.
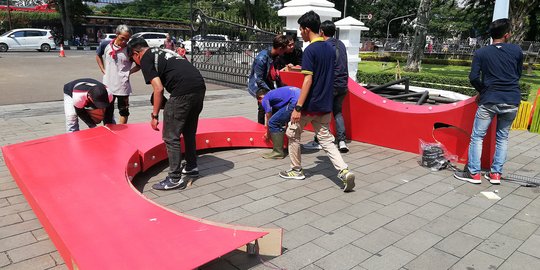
[{"x": 452, "y": 71}]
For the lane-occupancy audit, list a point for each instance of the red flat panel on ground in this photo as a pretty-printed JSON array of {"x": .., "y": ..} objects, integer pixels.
[
  {"x": 147, "y": 141},
  {"x": 373, "y": 119},
  {"x": 77, "y": 186}
]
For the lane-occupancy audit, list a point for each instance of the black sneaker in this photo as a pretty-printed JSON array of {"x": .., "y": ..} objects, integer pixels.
[
  {"x": 192, "y": 173},
  {"x": 465, "y": 175},
  {"x": 168, "y": 183}
]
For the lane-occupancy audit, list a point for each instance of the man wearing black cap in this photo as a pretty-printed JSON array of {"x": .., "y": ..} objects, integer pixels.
[{"x": 89, "y": 100}]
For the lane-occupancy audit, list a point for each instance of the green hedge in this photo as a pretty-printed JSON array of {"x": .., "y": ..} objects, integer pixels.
[
  {"x": 459, "y": 85},
  {"x": 403, "y": 59},
  {"x": 20, "y": 19},
  {"x": 426, "y": 60}
]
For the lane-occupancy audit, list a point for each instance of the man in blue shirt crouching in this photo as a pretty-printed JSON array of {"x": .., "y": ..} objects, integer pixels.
[{"x": 282, "y": 101}]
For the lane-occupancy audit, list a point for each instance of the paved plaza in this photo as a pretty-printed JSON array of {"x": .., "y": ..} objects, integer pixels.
[{"x": 401, "y": 216}]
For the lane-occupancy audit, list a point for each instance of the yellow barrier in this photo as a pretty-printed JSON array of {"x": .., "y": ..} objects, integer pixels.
[
  {"x": 535, "y": 126},
  {"x": 523, "y": 116}
]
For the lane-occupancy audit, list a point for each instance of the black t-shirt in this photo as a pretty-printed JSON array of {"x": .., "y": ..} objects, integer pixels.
[
  {"x": 295, "y": 58},
  {"x": 178, "y": 76}
]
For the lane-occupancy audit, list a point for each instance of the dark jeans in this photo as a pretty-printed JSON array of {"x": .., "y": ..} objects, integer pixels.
[
  {"x": 260, "y": 114},
  {"x": 180, "y": 117},
  {"x": 337, "y": 106},
  {"x": 279, "y": 120},
  {"x": 339, "y": 96}
]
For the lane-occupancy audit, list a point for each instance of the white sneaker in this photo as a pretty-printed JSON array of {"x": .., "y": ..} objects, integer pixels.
[
  {"x": 313, "y": 145},
  {"x": 342, "y": 146}
]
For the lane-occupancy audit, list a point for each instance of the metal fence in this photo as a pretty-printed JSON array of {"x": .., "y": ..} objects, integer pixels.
[
  {"x": 224, "y": 51},
  {"x": 445, "y": 48}
]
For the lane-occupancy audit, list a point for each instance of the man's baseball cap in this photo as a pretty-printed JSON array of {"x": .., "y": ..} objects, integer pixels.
[{"x": 100, "y": 96}]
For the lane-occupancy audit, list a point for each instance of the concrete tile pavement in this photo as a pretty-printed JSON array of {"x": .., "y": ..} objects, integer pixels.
[{"x": 401, "y": 216}]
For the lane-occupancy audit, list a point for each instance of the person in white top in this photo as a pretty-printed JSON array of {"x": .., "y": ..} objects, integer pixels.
[{"x": 113, "y": 61}]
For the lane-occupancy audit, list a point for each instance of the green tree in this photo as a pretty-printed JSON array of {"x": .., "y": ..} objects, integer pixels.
[
  {"x": 382, "y": 11},
  {"x": 448, "y": 20},
  {"x": 155, "y": 9},
  {"x": 519, "y": 15},
  {"x": 534, "y": 24},
  {"x": 70, "y": 11},
  {"x": 519, "y": 9},
  {"x": 256, "y": 13}
]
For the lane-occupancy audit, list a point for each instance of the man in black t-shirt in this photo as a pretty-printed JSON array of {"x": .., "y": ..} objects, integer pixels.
[
  {"x": 164, "y": 68},
  {"x": 292, "y": 57}
]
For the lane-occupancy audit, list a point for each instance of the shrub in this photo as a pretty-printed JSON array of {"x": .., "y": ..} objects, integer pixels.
[
  {"x": 426, "y": 60},
  {"x": 459, "y": 85},
  {"x": 20, "y": 19}
]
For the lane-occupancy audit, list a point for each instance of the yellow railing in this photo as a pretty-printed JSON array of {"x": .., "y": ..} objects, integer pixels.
[
  {"x": 523, "y": 116},
  {"x": 535, "y": 125}
]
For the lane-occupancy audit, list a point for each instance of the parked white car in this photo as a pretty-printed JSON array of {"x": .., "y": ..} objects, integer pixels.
[
  {"x": 107, "y": 36},
  {"x": 210, "y": 42},
  {"x": 27, "y": 39},
  {"x": 154, "y": 39}
]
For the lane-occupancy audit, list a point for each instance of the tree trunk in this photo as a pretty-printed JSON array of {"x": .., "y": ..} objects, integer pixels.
[
  {"x": 533, "y": 26},
  {"x": 68, "y": 23},
  {"x": 518, "y": 18},
  {"x": 414, "y": 60},
  {"x": 66, "y": 17},
  {"x": 249, "y": 13}
]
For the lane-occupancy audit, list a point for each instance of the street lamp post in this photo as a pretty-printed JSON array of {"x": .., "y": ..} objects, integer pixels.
[{"x": 388, "y": 27}]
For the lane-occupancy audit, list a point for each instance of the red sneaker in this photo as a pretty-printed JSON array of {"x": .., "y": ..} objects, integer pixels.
[{"x": 494, "y": 178}]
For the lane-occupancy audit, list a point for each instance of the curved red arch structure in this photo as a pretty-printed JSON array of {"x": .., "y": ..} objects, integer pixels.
[
  {"x": 78, "y": 185},
  {"x": 373, "y": 119}
]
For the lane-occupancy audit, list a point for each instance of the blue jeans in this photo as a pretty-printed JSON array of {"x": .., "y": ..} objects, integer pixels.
[
  {"x": 279, "y": 120},
  {"x": 505, "y": 116}
]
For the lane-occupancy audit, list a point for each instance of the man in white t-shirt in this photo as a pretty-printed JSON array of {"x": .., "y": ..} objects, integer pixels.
[{"x": 113, "y": 61}]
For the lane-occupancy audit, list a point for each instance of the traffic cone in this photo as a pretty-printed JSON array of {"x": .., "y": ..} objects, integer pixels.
[{"x": 62, "y": 53}]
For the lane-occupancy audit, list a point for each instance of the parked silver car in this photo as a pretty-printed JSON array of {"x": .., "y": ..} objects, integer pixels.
[{"x": 27, "y": 39}]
